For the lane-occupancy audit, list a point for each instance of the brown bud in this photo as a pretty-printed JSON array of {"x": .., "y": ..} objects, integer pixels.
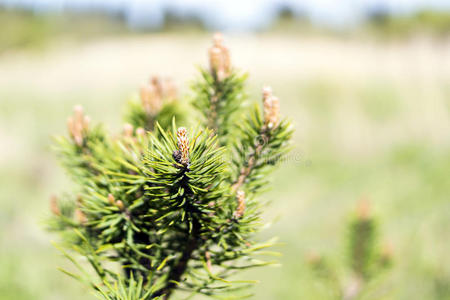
[
  {"x": 313, "y": 258},
  {"x": 240, "y": 197},
  {"x": 54, "y": 207},
  {"x": 151, "y": 99},
  {"x": 219, "y": 58},
  {"x": 183, "y": 145},
  {"x": 226, "y": 61},
  {"x": 208, "y": 261},
  {"x": 78, "y": 125},
  {"x": 273, "y": 119},
  {"x": 78, "y": 112},
  {"x": 140, "y": 132},
  {"x": 80, "y": 216},
  {"x": 218, "y": 39},
  {"x": 251, "y": 162},
  {"x": 128, "y": 130},
  {"x": 363, "y": 209},
  {"x": 111, "y": 199},
  {"x": 157, "y": 85},
  {"x": 215, "y": 59},
  {"x": 267, "y": 92},
  {"x": 271, "y": 108},
  {"x": 78, "y": 140},
  {"x": 152, "y": 94},
  {"x": 79, "y": 200},
  {"x": 145, "y": 98},
  {"x": 120, "y": 204}
]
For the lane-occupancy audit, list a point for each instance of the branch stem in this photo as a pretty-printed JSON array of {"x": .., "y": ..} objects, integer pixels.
[{"x": 245, "y": 172}]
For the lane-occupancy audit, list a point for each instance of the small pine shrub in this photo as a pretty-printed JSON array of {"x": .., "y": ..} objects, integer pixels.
[
  {"x": 159, "y": 208},
  {"x": 359, "y": 275}
]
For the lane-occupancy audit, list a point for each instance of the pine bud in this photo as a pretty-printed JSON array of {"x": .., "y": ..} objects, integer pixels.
[
  {"x": 78, "y": 125},
  {"x": 215, "y": 59},
  {"x": 54, "y": 207},
  {"x": 151, "y": 99},
  {"x": 153, "y": 92},
  {"x": 362, "y": 239},
  {"x": 218, "y": 39},
  {"x": 120, "y": 204},
  {"x": 240, "y": 197},
  {"x": 156, "y": 83},
  {"x": 271, "y": 108},
  {"x": 80, "y": 216},
  {"x": 140, "y": 132},
  {"x": 363, "y": 210},
  {"x": 183, "y": 145},
  {"x": 87, "y": 121},
  {"x": 111, "y": 199},
  {"x": 145, "y": 97},
  {"x": 226, "y": 60},
  {"x": 313, "y": 258},
  {"x": 208, "y": 261},
  {"x": 78, "y": 112},
  {"x": 267, "y": 92},
  {"x": 219, "y": 58},
  {"x": 128, "y": 130}
]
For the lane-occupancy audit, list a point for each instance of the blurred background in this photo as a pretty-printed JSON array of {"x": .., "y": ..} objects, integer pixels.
[{"x": 366, "y": 82}]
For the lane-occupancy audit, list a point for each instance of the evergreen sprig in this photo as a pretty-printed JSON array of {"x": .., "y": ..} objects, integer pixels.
[
  {"x": 160, "y": 208},
  {"x": 365, "y": 260},
  {"x": 219, "y": 100},
  {"x": 219, "y": 93}
]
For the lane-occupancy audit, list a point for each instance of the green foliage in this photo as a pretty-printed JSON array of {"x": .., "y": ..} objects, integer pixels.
[
  {"x": 137, "y": 117},
  {"x": 364, "y": 263},
  {"x": 219, "y": 100},
  {"x": 257, "y": 150},
  {"x": 167, "y": 209},
  {"x": 123, "y": 290}
]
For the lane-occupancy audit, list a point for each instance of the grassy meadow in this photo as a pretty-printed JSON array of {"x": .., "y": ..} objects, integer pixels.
[{"x": 372, "y": 121}]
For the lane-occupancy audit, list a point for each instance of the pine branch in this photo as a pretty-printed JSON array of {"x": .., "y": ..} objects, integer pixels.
[
  {"x": 265, "y": 142},
  {"x": 362, "y": 242},
  {"x": 365, "y": 261},
  {"x": 218, "y": 93},
  {"x": 180, "y": 267},
  {"x": 158, "y": 103},
  {"x": 175, "y": 209}
]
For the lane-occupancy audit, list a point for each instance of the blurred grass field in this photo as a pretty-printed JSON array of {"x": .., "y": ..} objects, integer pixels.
[{"x": 372, "y": 121}]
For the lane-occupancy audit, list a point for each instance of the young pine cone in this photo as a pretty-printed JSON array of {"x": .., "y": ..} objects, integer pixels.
[
  {"x": 78, "y": 125},
  {"x": 239, "y": 212},
  {"x": 183, "y": 145},
  {"x": 219, "y": 58},
  {"x": 271, "y": 108}
]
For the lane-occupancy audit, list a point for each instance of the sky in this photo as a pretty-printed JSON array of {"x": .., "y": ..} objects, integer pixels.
[{"x": 234, "y": 15}]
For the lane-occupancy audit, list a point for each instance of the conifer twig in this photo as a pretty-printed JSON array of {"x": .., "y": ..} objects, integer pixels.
[{"x": 158, "y": 201}]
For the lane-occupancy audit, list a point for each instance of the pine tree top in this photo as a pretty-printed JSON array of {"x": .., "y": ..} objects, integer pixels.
[{"x": 162, "y": 208}]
